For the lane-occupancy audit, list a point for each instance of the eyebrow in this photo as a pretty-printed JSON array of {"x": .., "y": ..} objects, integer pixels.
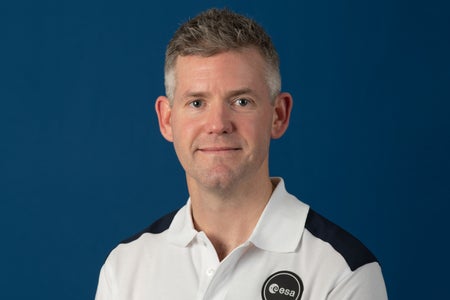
[
  {"x": 240, "y": 92},
  {"x": 230, "y": 94}
]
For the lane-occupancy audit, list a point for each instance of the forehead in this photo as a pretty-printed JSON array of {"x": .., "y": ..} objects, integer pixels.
[{"x": 235, "y": 69}]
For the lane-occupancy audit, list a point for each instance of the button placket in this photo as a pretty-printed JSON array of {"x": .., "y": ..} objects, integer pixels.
[
  {"x": 208, "y": 264},
  {"x": 217, "y": 287}
]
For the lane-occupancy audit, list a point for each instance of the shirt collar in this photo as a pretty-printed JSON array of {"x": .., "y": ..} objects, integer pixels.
[
  {"x": 281, "y": 224},
  {"x": 181, "y": 231},
  {"x": 279, "y": 228}
]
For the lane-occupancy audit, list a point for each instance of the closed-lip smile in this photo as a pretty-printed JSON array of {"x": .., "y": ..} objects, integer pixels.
[{"x": 215, "y": 149}]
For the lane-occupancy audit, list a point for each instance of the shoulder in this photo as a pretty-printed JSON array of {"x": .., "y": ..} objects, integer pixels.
[
  {"x": 159, "y": 226},
  {"x": 149, "y": 240},
  {"x": 355, "y": 253}
]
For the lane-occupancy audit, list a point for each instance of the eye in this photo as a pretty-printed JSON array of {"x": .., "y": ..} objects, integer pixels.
[
  {"x": 196, "y": 103},
  {"x": 242, "y": 102}
]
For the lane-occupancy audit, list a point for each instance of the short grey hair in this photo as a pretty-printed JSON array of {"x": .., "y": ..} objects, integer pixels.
[{"x": 219, "y": 30}]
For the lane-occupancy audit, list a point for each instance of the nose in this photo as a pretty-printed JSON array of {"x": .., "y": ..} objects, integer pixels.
[{"x": 218, "y": 120}]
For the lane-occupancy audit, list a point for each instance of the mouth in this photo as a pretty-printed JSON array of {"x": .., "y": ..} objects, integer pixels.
[{"x": 218, "y": 150}]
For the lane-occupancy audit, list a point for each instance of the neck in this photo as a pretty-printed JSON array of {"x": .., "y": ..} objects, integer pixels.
[{"x": 228, "y": 218}]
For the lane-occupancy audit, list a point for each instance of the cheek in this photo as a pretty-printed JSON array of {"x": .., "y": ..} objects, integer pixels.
[
  {"x": 259, "y": 131},
  {"x": 183, "y": 131},
  {"x": 179, "y": 125}
]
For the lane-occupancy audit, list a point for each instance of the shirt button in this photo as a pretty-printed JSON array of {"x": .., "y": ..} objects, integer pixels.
[{"x": 210, "y": 272}]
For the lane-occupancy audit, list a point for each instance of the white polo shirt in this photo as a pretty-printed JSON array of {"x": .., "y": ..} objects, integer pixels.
[{"x": 293, "y": 253}]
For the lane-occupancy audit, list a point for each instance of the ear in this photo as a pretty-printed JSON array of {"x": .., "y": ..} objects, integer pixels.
[
  {"x": 281, "y": 114},
  {"x": 164, "y": 110}
]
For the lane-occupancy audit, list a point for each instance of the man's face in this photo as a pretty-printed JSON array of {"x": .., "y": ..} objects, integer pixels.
[{"x": 221, "y": 119}]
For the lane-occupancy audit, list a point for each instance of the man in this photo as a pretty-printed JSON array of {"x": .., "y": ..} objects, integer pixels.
[{"x": 240, "y": 235}]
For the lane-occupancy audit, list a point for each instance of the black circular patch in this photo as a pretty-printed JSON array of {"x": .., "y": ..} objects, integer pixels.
[{"x": 283, "y": 285}]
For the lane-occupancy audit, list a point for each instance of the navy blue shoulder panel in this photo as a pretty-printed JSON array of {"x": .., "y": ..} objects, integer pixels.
[
  {"x": 353, "y": 251},
  {"x": 158, "y": 226}
]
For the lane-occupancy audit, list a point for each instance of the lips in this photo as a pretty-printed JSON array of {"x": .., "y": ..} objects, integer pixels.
[{"x": 218, "y": 149}]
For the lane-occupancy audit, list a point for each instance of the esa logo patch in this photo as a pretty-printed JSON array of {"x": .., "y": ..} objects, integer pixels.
[{"x": 283, "y": 285}]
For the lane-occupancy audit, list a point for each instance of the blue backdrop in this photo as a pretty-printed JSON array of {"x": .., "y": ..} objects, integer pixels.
[{"x": 83, "y": 166}]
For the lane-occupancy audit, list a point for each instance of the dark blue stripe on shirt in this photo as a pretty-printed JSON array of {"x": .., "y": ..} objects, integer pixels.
[
  {"x": 158, "y": 226},
  {"x": 353, "y": 251}
]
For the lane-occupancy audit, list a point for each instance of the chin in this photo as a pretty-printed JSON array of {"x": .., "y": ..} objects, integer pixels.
[{"x": 219, "y": 181}]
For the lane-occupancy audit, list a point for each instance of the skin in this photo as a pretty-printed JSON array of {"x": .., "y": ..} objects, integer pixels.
[{"x": 221, "y": 123}]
